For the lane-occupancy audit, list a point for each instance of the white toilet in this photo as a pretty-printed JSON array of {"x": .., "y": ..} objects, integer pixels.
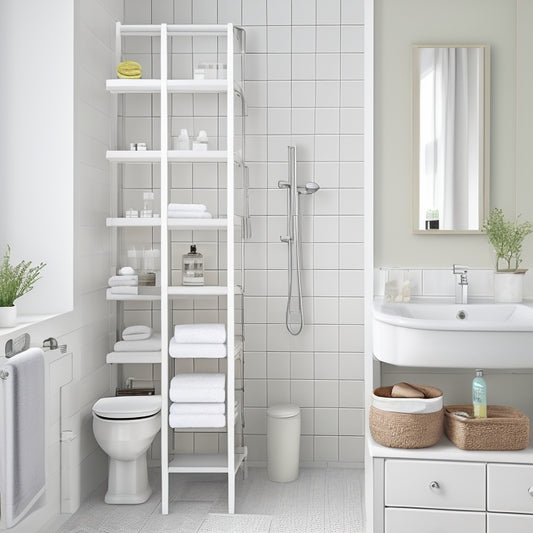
[{"x": 125, "y": 427}]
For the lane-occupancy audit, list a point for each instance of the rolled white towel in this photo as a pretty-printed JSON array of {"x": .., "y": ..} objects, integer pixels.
[
  {"x": 198, "y": 381},
  {"x": 198, "y": 351},
  {"x": 153, "y": 344},
  {"x": 126, "y": 271},
  {"x": 187, "y": 207},
  {"x": 123, "y": 281},
  {"x": 137, "y": 333},
  {"x": 196, "y": 421},
  {"x": 197, "y": 395},
  {"x": 197, "y": 408},
  {"x": 124, "y": 290},
  {"x": 189, "y": 214},
  {"x": 200, "y": 333}
]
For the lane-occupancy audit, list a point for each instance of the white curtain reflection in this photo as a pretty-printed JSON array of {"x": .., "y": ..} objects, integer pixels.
[{"x": 450, "y": 136}]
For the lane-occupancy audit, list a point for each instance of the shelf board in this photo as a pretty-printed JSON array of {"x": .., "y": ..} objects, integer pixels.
[
  {"x": 154, "y": 30},
  {"x": 135, "y": 222},
  {"x": 201, "y": 290},
  {"x": 205, "y": 462},
  {"x": 133, "y": 357},
  {"x": 196, "y": 156},
  {"x": 197, "y": 223},
  {"x": 150, "y": 86},
  {"x": 134, "y": 156},
  {"x": 197, "y": 86},
  {"x": 136, "y": 86}
]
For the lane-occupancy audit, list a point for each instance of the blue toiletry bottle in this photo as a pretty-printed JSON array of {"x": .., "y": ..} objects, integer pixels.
[{"x": 479, "y": 395}]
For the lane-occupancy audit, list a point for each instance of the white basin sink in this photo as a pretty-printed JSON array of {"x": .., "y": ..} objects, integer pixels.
[{"x": 452, "y": 335}]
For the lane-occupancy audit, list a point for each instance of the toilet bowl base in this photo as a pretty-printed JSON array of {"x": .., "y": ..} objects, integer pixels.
[{"x": 128, "y": 481}]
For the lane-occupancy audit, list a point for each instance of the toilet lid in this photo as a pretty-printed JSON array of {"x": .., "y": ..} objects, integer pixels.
[{"x": 127, "y": 406}]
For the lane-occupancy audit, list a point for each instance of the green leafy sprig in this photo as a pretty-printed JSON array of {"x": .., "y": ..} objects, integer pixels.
[
  {"x": 16, "y": 280},
  {"x": 506, "y": 238}
]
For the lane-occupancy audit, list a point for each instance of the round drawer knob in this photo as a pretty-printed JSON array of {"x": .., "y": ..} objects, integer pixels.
[
  {"x": 434, "y": 485},
  {"x": 530, "y": 490}
]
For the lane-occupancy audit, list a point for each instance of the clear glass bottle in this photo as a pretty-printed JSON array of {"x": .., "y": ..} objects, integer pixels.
[
  {"x": 479, "y": 395},
  {"x": 193, "y": 267},
  {"x": 148, "y": 199}
]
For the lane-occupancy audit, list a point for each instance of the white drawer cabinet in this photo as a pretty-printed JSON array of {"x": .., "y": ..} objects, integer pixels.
[
  {"x": 510, "y": 488},
  {"x": 435, "y": 484},
  {"x": 431, "y": 521},
  {"x": 509, "y": 523}
]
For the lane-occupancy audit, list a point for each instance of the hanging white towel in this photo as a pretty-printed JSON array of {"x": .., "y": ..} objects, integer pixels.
[
  {"x": 153, "y": 344},
  {"x": 200, "y": 333},
  {"x": 184, "y": 395},
  {"x": 123, "y": 281},
  {"x": 196, "y": 421},
  {"x": 199, "y": 381},
  {"x": 137, "y": 333},
  {"x": 187, "y": 207},
  {"x": 189, "y": 214},
  {"x": 23, "y": 419},
  {"x": 199, "y": 351},
  {"x": 197, "y": 408}
]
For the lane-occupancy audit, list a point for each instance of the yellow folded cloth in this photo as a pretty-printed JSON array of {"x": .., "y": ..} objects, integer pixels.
[
  {"x": 129, "y": 69},
  {"x": 129, "y": 77}
]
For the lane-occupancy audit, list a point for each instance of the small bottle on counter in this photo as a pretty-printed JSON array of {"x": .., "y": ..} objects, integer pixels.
[
  {"x": 193, "y": 267},
  {"x": 479, "y": 395},
  {"x": 201, "y": 141},
  {"x": 182, "y": 142},
  {"x": 148, "y": 199}
]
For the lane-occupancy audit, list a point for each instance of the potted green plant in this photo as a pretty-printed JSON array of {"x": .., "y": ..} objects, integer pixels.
[
  {"x": 15, "y": 280},
  {"x": 507, "y": 238}
]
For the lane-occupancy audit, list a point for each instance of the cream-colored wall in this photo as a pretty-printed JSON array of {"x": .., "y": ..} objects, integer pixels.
[{"x": 398, "y": 25}]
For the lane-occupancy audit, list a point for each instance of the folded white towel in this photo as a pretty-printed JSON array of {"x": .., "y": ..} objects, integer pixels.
[
  {"x": 137, "y": 333},
  {"x": 124, "y": 290},
  {"x": 197, "y": 408},
  {"x": 153, "y": 344},
  {"x": 189, "y": 214},
  {"x": 123, "y": 281},
  {"x": 199, "y": 351},
  {"x": 198, "y": 381},
  {"x": 187, "y": 207},
  {"x": 197, "y": 395},
  {"x": 200, "y": 333},
  {"x": 196, "y": 421}
]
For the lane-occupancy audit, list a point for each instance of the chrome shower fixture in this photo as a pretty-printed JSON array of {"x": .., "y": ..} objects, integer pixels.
[{"x": 294, "y": 315}]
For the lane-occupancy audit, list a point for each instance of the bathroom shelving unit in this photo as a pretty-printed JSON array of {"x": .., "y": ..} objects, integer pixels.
[{"x": 230, "y": 461}]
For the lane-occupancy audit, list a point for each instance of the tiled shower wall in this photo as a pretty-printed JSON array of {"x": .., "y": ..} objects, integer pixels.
[{"x": 304, "y": 87}]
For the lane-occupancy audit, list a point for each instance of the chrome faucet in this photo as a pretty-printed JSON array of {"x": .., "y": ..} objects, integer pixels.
[{"x": 461, "y": 288}]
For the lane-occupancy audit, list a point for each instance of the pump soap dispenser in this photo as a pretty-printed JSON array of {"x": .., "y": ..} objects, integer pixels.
[{"x": 193, "y": 267}]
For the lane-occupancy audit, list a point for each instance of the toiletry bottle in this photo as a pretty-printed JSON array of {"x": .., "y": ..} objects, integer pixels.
[
  {"x": 201, "y": 141},
  {"x": 479, "y": 395},
  {"x": 193, "y": 267},
  {"x": 148, "y": 198},
  {"x": 183, "y": 140}
]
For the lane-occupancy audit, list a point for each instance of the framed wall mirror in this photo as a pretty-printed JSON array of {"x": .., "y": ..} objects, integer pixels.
[{"x": 451, "y": 138}]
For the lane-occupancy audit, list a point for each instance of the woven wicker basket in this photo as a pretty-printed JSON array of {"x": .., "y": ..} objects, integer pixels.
[
  {"x": 406, "y": 430},
  {"x": 505, "y": 428}
]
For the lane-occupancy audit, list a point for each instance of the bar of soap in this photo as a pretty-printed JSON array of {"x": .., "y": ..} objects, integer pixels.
[{"x": 406, "y": 390}]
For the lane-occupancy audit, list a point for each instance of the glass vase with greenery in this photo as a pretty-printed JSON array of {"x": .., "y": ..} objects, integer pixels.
[
  {"x": 16, "y": 280},
  {"x": 507, "y": 239}
]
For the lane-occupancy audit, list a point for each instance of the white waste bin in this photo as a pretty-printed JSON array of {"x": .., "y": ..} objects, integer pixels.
[{"x": 283, "y": 442}]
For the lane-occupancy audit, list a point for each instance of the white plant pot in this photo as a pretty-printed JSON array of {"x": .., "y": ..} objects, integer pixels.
[
  {"x": 8, "y": 316},
  {"x": 508, "y": 287}
]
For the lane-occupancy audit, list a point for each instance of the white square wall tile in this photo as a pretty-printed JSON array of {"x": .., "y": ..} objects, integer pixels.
[
  {"x": 303, "y": 94},
  {"x": 326, "y": 421},
  {"x": 303, "y": 393},
  {"x": 351, "y": 421},
  {"x": 327, "y": 120},
  {"x": 303, "y": 120},
  {"x": 279, "y": 39},
  {"x": 328, "y": 67},
  {"x": 278, "y": 365},
  {"x": 351, "y": 449},
  {"x": 352, "y": 394},
  {"x": 307, "y": 421},
  {"x": 352, "y": 66},
  {"x": 328, "y": 11},
  {"x": 326, "y": 311},
  {"x": 255, "y": 366},
  {"x": 352, "y": 93},
  {"x": 255, "y": 393},
  {"x": 303, "y": 12},
  {"x": 351, "y": 366},
  {"x": 254, "y": 12},
  {"x": 303, "y": 39},
  {"x": 352, "y": 11},
  {"x": 303, "y": 67},
  {"x": 327, "y": 39},
  {"x": 256, "y": 40},
  {"x": 326, "y": 448},
  {"x": 327, "y": 365},
  {"x": 352, "y": 38},
  {"x": 279, "y": 66},
  {"x": 279, "y": 94},
  {"x": 351, "y": 121},
  {"x": 278, "y": 12},
  {"x": 278, "y": 391},
  {"x": 326, "y": 393},
  {"x": 302, "y": 366}
]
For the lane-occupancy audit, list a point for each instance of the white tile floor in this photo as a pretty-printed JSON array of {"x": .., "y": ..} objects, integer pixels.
[{"x": 321, "y": 500}]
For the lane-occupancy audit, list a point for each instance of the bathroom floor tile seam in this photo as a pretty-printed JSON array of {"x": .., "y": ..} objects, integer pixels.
[{"x": 320, "y": 500}]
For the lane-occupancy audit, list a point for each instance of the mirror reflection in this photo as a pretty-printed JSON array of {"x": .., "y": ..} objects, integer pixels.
[{"x": 450, "y": 137}]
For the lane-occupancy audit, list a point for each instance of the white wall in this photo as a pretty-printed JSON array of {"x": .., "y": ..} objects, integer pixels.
[
  {"x": 304, "y": 86},
  {"x": 88, "y": 329},
  {"x": 36, "y": 145}
]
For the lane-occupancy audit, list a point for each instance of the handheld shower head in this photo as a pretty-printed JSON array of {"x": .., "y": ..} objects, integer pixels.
[{"x": 309, "y": 188}]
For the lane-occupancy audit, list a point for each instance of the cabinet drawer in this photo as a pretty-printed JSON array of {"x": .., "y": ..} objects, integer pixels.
[
  {"x": 508, "y": 488},
  {"x": 421, "y": 520},
  {"x": 506, "y": 523},
  {"x": 435, "y": 484}
]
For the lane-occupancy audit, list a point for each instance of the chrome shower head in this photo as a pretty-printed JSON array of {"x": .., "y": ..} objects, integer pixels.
[{"x": 309, "y": 188}]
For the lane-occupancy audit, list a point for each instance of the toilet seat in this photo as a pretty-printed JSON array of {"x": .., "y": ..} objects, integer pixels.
[{"x": 127, "y": 407}]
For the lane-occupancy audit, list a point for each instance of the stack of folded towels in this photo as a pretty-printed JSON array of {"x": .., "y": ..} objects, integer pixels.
[
  {"x": 125, "y": 283},
  {"x": 199, "y": 341},
  {"x": 198, "y": 401},
  {"x": 129, "y": 70},
  {"x": 188, "y": 211},
  {"x": 138, "y": 339}
]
